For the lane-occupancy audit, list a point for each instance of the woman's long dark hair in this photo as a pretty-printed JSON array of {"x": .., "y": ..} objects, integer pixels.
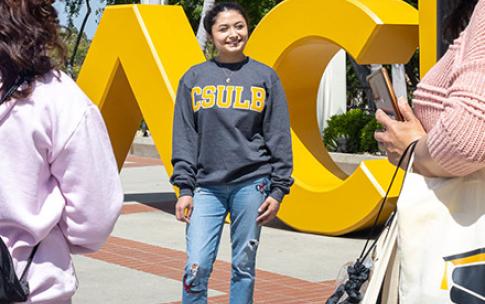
[
  {"x": 29, "y": 40},
  {"x": 211, "y": 16},
  {"x": 457, "y": 20}
]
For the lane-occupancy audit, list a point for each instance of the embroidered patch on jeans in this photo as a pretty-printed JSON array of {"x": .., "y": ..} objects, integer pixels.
[
  {"x": 189, "y": 280},
  {"x": 261, "y": 187}
]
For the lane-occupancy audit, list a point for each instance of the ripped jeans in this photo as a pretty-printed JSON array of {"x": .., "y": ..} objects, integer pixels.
[{"x": 211, "y": 205}]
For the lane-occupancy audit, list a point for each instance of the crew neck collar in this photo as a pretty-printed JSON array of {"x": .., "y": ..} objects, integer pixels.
[{"x": 231, "y": 65}]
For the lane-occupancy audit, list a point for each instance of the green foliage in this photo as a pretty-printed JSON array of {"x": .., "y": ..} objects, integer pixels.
[
  {"x": 412, "y": 2},
  {"x": 356, "y": 96},
  {"x": 110, "y": 2},
  {"x": 412, "y": 72},
  {"x": 69, "y": 36},
  {"x": 351, "y": 132},
  {"x": 72, "y": 8},
  {"x": 367, "y": 141},
  {"x": 256, "y": 9},
  {"x": 193, "y": 10},
  {"x": 357, "y": 90}
]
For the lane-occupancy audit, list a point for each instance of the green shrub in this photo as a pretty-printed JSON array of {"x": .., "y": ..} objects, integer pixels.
[
  {"x": 351, "y": 132},
  {"x": 367, "y": 141}
]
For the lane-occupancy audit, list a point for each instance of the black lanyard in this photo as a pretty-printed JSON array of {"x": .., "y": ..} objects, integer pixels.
[{"x": 12, "y": 90}]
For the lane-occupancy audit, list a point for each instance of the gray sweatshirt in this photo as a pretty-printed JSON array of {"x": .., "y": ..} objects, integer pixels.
[{"x": 231, "y": 125}]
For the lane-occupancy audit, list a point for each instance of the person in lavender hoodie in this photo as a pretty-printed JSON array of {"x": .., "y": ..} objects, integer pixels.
[{"x": 59, "y": 185}]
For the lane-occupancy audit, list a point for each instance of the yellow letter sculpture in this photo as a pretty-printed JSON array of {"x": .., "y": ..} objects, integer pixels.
[
  {"x": 428, "y": 27},
  {"x": 139, "y": 53}
]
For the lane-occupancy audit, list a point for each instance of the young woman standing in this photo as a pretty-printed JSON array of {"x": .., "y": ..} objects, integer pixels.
[{"x": 231, "y": 154}]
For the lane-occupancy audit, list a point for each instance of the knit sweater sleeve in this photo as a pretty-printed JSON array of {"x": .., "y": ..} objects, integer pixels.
[
  {"x": 184, "y": 142},
  {"x": 276, "y": 130},
  {"x": 457, "y": 140}
]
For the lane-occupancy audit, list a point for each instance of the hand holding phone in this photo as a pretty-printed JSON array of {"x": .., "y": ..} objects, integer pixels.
[{"x": 384, "y": 96}]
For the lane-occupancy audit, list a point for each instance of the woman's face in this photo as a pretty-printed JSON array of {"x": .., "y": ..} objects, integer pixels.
[{"x": 230, "y": 33}]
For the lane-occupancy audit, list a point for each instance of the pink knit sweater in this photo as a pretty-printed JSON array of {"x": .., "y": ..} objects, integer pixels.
[{"x": 450, "y": 101}]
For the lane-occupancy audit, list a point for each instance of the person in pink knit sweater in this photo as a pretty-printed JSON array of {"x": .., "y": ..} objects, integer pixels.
[
  {"x": 449, "y": 104},
  {"x": 59, "y": 183}
]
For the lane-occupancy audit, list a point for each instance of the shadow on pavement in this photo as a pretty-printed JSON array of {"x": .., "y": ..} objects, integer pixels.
[{"x": 165, "y": 202}]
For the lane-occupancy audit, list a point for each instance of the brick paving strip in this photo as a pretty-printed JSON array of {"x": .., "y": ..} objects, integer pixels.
[
  {"x": 271, "y": 288},
  {"x": 130, "y": 208},
  {"x": 139, "y": 161}
]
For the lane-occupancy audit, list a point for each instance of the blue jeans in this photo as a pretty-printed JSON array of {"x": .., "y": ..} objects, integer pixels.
[{"x": 211, "y": 205}]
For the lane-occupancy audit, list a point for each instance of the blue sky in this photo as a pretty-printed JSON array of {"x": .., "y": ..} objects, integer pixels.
[{"x": 90, "y": 26}]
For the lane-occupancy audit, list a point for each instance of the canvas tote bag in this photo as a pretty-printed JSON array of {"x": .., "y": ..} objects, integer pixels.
[
  {"x": 441, "y": 239},
  {"x": 382, "y": 281}
]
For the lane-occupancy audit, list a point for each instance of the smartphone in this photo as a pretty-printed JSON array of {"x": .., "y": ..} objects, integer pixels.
[{"x": 384, "y": 95}]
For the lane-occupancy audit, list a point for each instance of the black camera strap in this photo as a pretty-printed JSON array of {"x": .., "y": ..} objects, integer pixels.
[
  {"x": 12, "y": 90},
  {"x": 4, "y": 98},
  {"x": 407, "y": 154},
  {"x": 358, "y": 273},
  {"x": 29, "y": 262}
]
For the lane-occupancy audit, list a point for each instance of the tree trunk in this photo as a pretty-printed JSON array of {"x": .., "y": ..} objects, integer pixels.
[{"x": 201, "y": 34}]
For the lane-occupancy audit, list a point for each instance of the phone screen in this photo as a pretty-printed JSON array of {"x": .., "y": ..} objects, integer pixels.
[{"x": 384, "y": 96}]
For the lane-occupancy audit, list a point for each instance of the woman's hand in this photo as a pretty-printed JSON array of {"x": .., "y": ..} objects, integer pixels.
[
  {"x": 183, "y": 208},
  {"x": 268, "y": 210},
  {"x": 398, "y": 135}
]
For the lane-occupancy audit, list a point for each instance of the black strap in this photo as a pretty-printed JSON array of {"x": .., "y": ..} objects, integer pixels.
[
  {"x": 29, "y": 262},
  {"x": 4, "y": 98},
  {"x": 363, "y": 255},
  {"x": 12, "y": 90}
]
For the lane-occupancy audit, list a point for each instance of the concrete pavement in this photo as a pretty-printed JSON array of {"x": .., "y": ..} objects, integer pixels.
[{"x": 142, "y": 262}]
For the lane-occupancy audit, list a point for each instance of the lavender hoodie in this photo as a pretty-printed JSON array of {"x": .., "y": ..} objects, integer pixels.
[{"x": 59, "y": 184}]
